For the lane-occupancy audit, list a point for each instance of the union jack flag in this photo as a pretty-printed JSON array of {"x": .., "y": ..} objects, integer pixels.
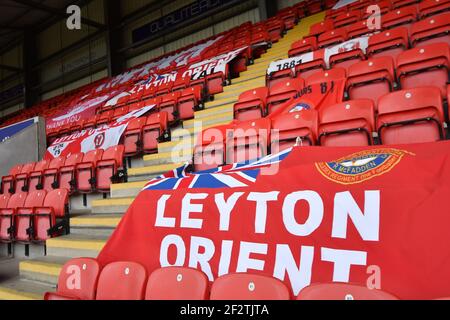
[{"x": 232, "y": 175}]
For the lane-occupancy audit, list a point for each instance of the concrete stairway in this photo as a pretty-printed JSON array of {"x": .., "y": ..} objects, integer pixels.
[{"x": 89, "y": 232}]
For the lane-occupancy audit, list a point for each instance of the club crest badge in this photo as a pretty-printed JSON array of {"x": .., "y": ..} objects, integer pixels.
[{"x": 361, "y": 166}]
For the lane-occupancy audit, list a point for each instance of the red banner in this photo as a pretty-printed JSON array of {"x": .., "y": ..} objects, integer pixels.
[{"x": 376, "y": 215}]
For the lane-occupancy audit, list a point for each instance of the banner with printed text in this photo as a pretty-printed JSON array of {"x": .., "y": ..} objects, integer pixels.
[
  {"x": 87, "y": 140},
  {"x": 376, "y": 216}
]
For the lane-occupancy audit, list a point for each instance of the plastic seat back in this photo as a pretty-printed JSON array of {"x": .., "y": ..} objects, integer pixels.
[
  {"x": 77, "y": 280},
  {"x": 209, "y": 151},
  {"x": 342, "y": 291},
  {"x": 349, "y": 123},
  {"x": 251, "y": 104},
  {"x": 410, "y": 116},
  {"x": 388, "y": 43},
  {"x": 177, "y": 283},
  {"x": 403, "y": 16},
  {"x": 112, "y": 161},
  {"x": 122, "y": 280},
  {"x": 243, "y": 286},
  {"x": 431, "y": 30},
  {"x": 24, "y": 215},
  {"x": 54, "y": 207}
]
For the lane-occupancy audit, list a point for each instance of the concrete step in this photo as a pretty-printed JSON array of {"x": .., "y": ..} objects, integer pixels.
[
  {"x": 147, "y": 173},
  {"x": 44, "y": 270},
  {"x": 126, "y": 190},
  {"x": 181, "y": 146},
  {"x": 94, "y": 224},
  {"x": 22, "y": 289},
  {"x": 74, "y": 245},
  {"x": 114, "y": 205},
  {"x": 165, "y": 158},
  {"x": 212, "y": 120},
  {"x": 218, "y": 103},
  {"x": 199, "y": 115}
]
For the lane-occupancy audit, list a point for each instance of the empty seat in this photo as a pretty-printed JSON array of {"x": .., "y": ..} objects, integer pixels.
[
  {"x": 85, "y": 171},
  {"x": 294, "y": 128},
  {"x": 424, "y": 66},
  {"x": 190, "y": 100},
  {"x": 282, "y": 92},
  {"x": 345, "y": 19},
  {"x": 249, "y": 140},
  {"x": 335, "y": 74},
  {"x": 388, "y": 43},
  {"x": 332, "y": 37},
  {"x": 371, "y": 79},
  {"x": 251, "y": 104},
  {"x": 431, "y": 7},
  {"x": 209, "y": 150},
  {"x": 156, "y": 129},
  {"x": 23, "y": 216},
  {"x": 4, "y": 198},
  {"x": 410, "y": 116},
  {"x": 109, "y": 167},
  {"x": 50, "y": 175},
  {"x": 8, "y": 181},
  {"x": 66, "y": 176},
  {"x": 22, "y": 179},
  {"x": 17, "y": 200},
  {"x": 306, "y": 69},
  {"x": 431, "y": 30},
  {"x": 177, "y": 283},
  {"x": 350, "y": 123},
  {"x": 321, "y": 27},
  {"x": 36, "y": 176},
  {"x": 169, "y": 104},
  {"x": 401, "y": 3},
  {"x": 104, "y": 118},
  {"x": 121, "y": 280},
  {"x": 216, "y": 81},
  {"x": 358, "y": 29},
  {"x": 243, "y": 286},
  {"x": 52, "y": 219},
  {"x": 77, "y": 280},
  {"x": 342, "y": 291},
  {"x": 399, "y": 17},
  {"x": 279, "y": 76},
  {"x": 303, "y": 46},
  {"x": 132, "y": 137}
]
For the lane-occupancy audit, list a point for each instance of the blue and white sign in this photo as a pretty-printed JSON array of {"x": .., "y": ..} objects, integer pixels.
[{"x": 9, "y": 131}]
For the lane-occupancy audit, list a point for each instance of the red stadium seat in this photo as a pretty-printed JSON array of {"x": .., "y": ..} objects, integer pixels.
[
  {"x": 132, "y": 137},
  {"x": 358, "y": 29},
  {"x": 410, "y": 116},
  {"x": 17, "y": 200},
  {"x": 345, "y": 19},
  {"x": 303, "y": 46},
  {"x": 332, "y": 37},
  {"x": 279, "y": 76},
  {"x": 371, "y": 79},
  {"x": 431, "y": 7},
  {"x": 50, "y": 176},
  {"x": 242, "y": 286},
  {"x": 209, "y": 151},
  {"x": 66, "y": 177},
  {"x": 52, "y": 218},
  {"x": 346, "y": 58},
  {"x": 399, "y": 17},
  {"x": 107, "y": 169},
  {"x": 388, "y": 43},
  {"x": 424, "y": 66},
  {"x": 22, "y": 179},
  {"x": 248, "y": 141},
  {"x": 4, "y": 198},
  {"x": 85, "y": 171},
  {"x": 431, "y": 30},
  {"x": 320, "y": 76},
  {"x": 77, "y": 280},
  {"x": 177, "y": 283},
  {"x": 282, "y": 92},
  {"x": 169, "y": 103},
  {"x": 215, "y": 82},
  {"x": 121, "y": 281},
  {"x": 342, "y": 291},
  {"x": 23, "y": 216},
  {"x": 321, "y": 27},
  {"x": 189, "y": 101},
  {"x": 35, "y": 181},
  {"x": 306, "y": 69},
  {"x": 163, "y": 89},
  {"x": 104, "y": 118},
  {"x": 8, "y": 182},
  {"x": 401, "y": 3},
  {"x": 294, "y": 127},
  {"x": 350, "y": 123},
  {"x": 251, "y": 104},
  {"x": 156, "y": 128}
]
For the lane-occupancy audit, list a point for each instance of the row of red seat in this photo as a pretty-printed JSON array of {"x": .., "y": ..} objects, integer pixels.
[
  {"x": 34, "y": 216},
  {"x": 405, "y": 116},
  {"x": 124, "y": 280},
  {"x": 78, "y": 172}
]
